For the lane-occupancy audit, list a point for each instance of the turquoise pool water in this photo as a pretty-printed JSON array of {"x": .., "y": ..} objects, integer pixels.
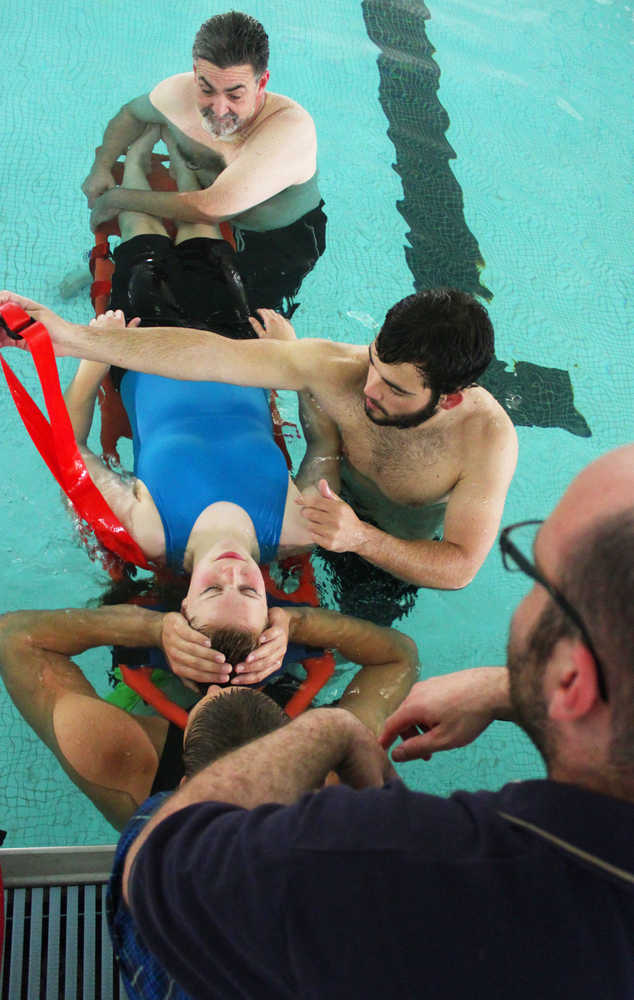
[{"x": 512, "y": 145}]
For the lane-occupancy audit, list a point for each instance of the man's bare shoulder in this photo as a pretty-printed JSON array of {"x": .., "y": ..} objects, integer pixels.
[
  {"x": 329, "y": 366},
  {"x": 331, "y": 351},
  {"x": 280, "y": 104},
  {"x": 174, "y": 94},
  {"x": 284, "y": 119},
  {"x": 487, "y": 427}
]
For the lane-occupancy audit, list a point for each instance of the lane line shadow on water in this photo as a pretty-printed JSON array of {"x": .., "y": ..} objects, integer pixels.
[{"x": 442, "y": 250}]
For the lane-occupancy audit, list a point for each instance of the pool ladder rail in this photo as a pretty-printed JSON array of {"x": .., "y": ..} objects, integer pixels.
[{"x": 56, "y": 940}]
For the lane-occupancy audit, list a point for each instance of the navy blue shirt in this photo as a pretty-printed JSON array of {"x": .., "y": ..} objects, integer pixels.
[
  {"x": 144, "y": 976},
  {"x": 393, "y": 893}
]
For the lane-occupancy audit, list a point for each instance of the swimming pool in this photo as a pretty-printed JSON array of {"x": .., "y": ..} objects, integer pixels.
[{"x": 510, "y": 127}]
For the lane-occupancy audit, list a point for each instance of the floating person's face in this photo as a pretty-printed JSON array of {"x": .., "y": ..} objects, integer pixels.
[
  {"x": 227, "y": 591},
  {"x": 394, "y": 396},
  {"x": 227, "y": 99}
]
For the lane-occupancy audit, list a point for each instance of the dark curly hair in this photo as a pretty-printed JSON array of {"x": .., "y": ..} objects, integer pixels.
[{"x": 444, "y": 332}]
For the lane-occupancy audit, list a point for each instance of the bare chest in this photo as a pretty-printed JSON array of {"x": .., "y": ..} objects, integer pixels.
[{"x": 417, "y": 466}]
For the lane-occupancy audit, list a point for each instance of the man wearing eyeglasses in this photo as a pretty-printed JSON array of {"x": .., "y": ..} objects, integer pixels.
[{"x": 373, "y": 890}]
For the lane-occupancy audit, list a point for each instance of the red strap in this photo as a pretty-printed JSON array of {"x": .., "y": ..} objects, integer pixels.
[
  {"x": 319, "y": 670},
  {"x": 56, "y": 444},
  {"x": 99, "y": 288},
  {"x": 140, "y": 680}
]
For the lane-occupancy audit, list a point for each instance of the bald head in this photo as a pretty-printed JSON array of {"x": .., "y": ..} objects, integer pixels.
[
  {"x": 586, "y": 547},
  {"x": 602, "y": 490}
]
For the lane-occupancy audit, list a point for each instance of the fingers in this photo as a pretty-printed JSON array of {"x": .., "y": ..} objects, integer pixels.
[
  {"x": 418, "y": 747},
  {"x": 264, "y": 660},
  {"x": 255, "y": 676},
  {"x": 203, "y": 676},
  {"x": 327, "y": 538},
  {"x": 108, "y": 318},
  {"x": 407, "y": 718},
  {"x": 20, "y": 300},
  {"x": 320, "y": 517},
  {"x": 257, "y": 326},
  {"x": 189, "y": 654},
  {"x": 324, "y": 489},
  {"x": 267, "y": 315},
  {"x": 313, "y": 503},
  {"x": 272, "y": 644}
]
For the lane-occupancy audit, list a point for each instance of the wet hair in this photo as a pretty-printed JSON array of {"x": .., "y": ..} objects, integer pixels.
[
  {"x": 155, "y": 592},
  {"x": 235, "y": 643},
  {"x": 598, "y": 580},
  {"x": 227, "y": 722},
  {"x": 233, "y": 39},
  {"x": 444, "y": 332}
]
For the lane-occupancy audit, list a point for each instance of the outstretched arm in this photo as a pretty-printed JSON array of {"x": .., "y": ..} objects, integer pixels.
[
  {"x": 101, "y": 748},
  {"x": 442, "y": 713},
  {"x": 194, "y": 355},
  {"x": 121, "y": 131}
]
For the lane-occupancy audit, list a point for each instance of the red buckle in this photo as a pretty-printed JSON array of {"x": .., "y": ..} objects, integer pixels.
[{"x": 15, "y": 320}]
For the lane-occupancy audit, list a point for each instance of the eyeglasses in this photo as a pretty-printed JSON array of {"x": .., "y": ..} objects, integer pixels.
[{"x": 514, "y": 559}]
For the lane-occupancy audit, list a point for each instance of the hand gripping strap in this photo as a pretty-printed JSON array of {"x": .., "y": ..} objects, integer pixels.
[{"x": 56, "y": 443}]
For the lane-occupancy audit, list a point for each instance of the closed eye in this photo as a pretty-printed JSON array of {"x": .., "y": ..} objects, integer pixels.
[{"x": 214, "y": 590}]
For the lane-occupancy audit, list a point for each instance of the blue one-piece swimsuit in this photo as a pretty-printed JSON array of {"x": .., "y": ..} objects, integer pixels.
[{"x": 196, "y": 443}]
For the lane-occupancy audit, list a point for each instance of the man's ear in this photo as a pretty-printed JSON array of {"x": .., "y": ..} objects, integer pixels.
[
  {"x": 450, "y": 400},
  {"x": 264, "y": 79},
  {"x": 576, "y": 689}
]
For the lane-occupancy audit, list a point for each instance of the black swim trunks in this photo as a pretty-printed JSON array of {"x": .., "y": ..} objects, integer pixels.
[
  {"x": 170, "y": 769},
  {"x": 365, "y": 591},
  {"x": 195, "y": 283},
  {"x": 274, "y": 263}
]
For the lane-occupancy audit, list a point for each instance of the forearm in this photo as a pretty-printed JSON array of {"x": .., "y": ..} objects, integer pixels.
[
  {"x": 73, "y": 630},
  {"x": 425, "y": 563},
  {"x": 186, "y": 206},
  {"x": 81, "y": 395},
  {"x": 389, "y": 660},
  {"x": 120, "y": 132},
  {"x": 322, "y": 459},
  {"x": 377, "y": 691},
  {"x": 496, "y": 692},
  {"x": 187, "y": 355},
  {"x": 289, "y": 762},
  {"x": 357, "y": 640},
  {"x": 315, "y": 465}
]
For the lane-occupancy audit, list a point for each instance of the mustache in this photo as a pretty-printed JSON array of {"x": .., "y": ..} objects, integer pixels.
[{"x": 209, "y": 113}]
